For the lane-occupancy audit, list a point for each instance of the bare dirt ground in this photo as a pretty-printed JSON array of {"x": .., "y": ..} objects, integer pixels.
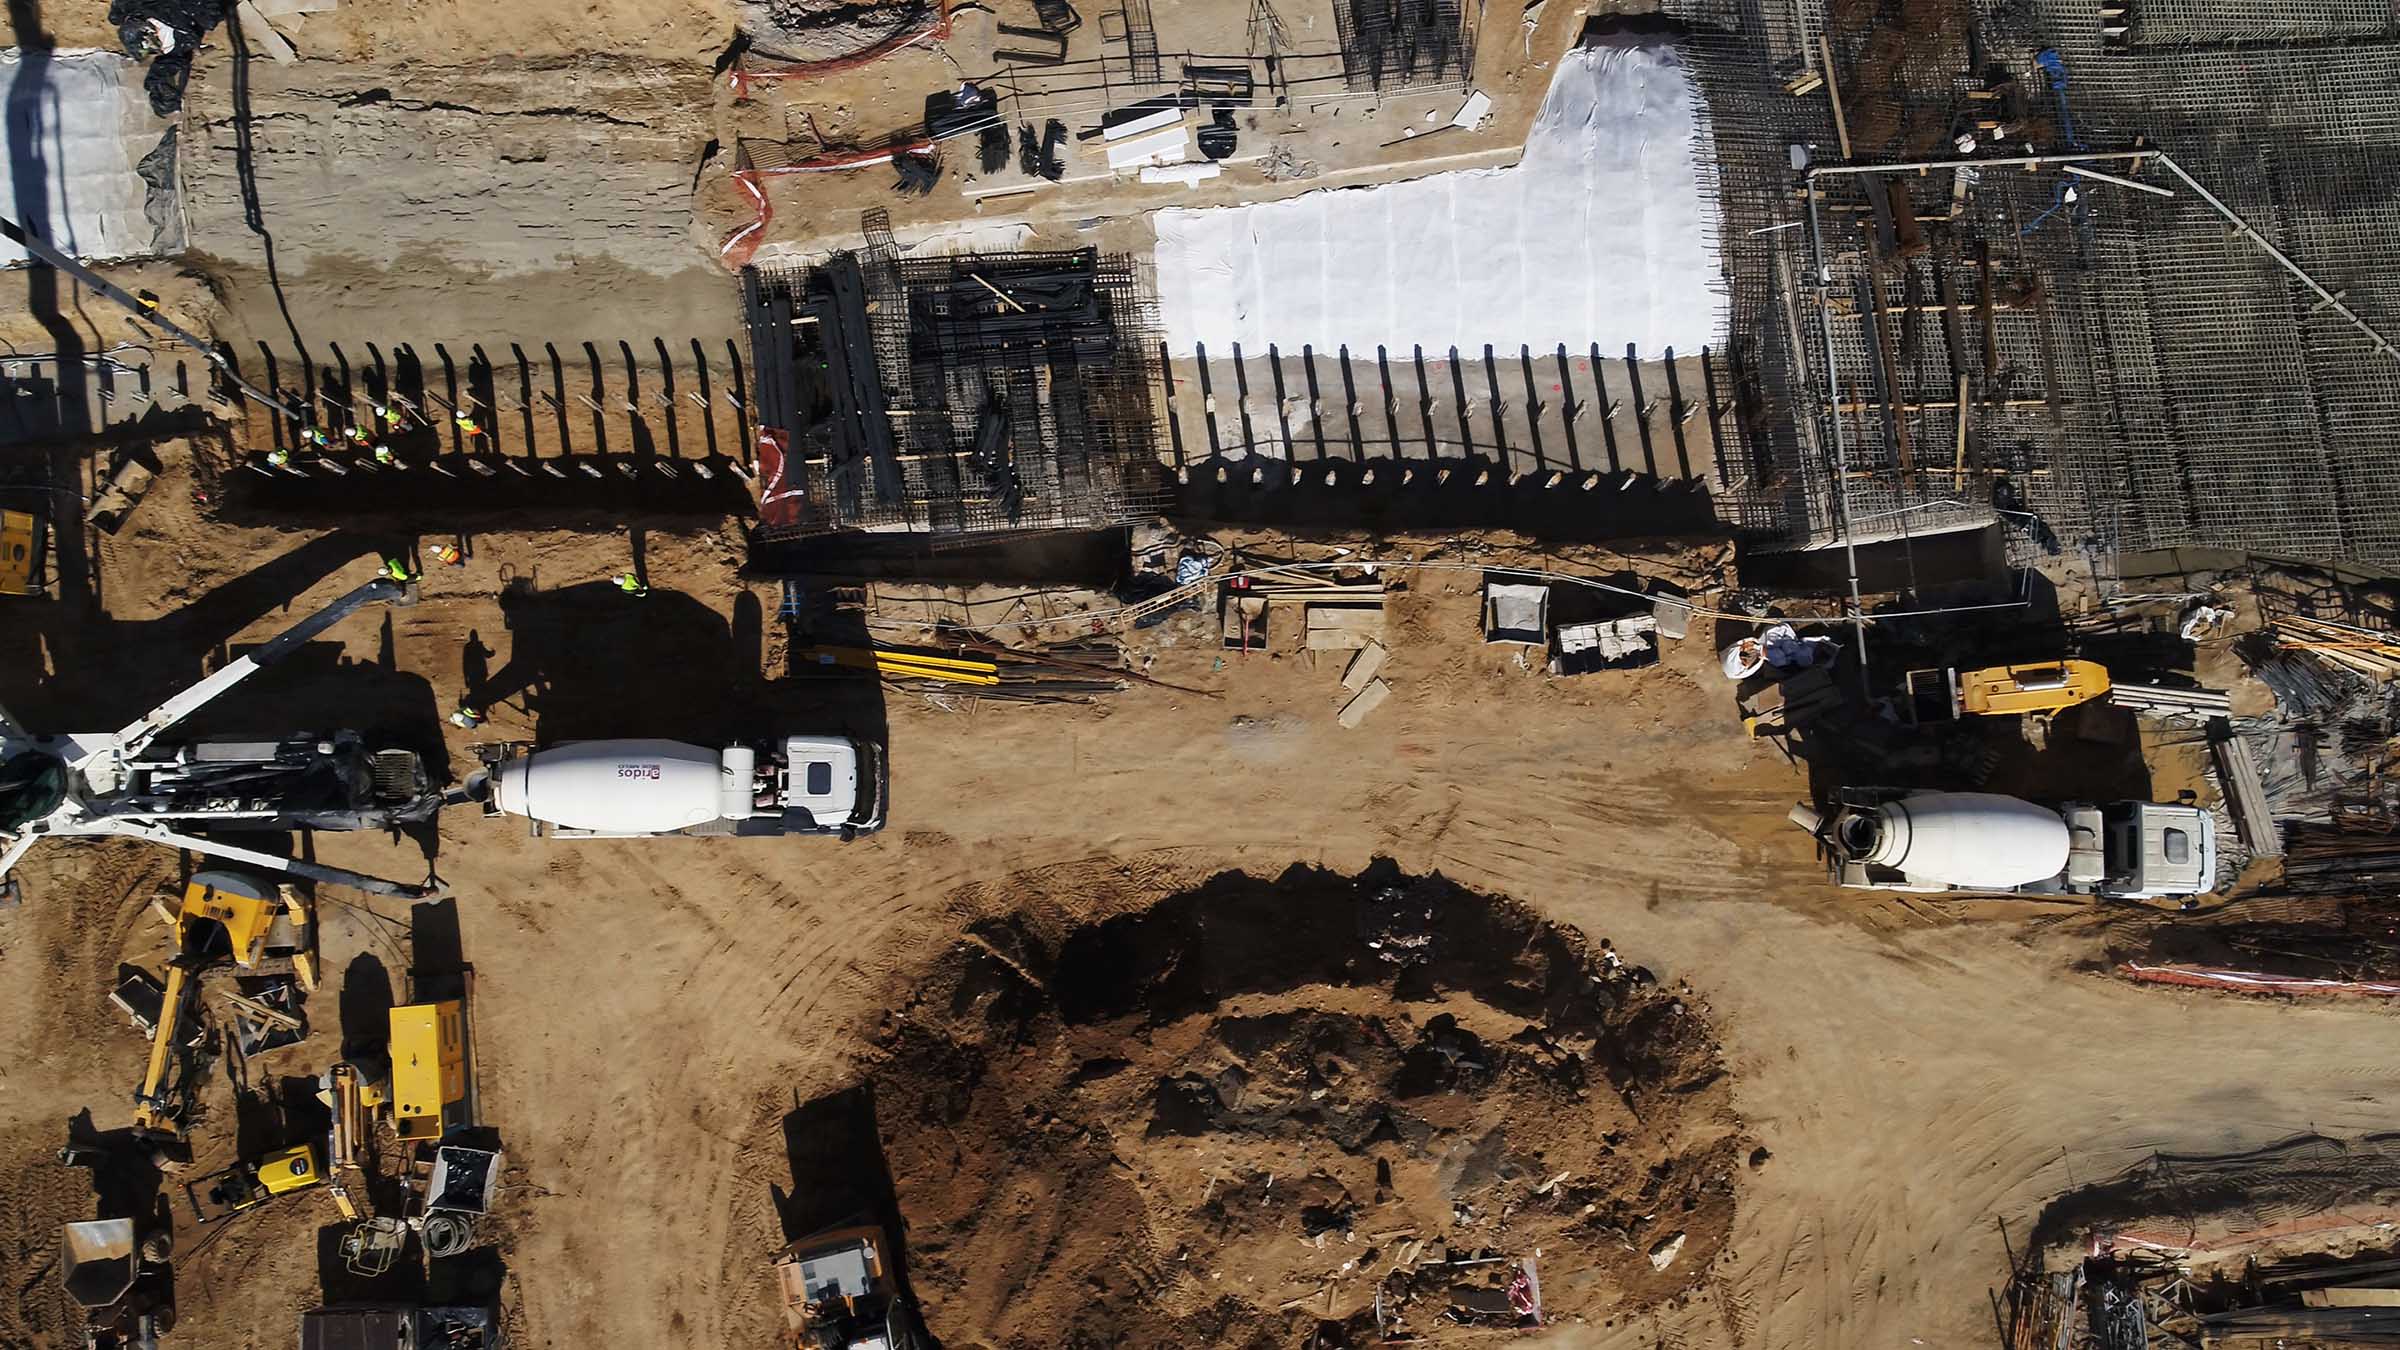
[{"x": 650, "y": 1014}]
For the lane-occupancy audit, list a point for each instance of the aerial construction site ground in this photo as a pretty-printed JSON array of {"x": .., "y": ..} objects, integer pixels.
[{"x": 1137, "y": 1074}]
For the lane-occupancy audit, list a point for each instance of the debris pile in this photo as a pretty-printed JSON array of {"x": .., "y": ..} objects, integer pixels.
[{"x": 2282, "y": 1245}]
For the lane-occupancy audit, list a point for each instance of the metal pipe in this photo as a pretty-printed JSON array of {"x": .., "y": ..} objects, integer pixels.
[
  {"x": 2095, "y": 157},
  {"x": 1841, "y": 449},
  {"x": 2096, "y": 176},
  {"x": 40, "y": 248},
  {"x": 2330, "y": 301}
]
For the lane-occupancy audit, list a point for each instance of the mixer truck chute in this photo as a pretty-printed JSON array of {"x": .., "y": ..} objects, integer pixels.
[
  {"x": 643, "y": 788},
  {"x": 1985, "y": 842}
]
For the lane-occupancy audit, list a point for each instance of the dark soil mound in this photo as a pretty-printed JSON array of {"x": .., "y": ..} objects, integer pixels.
[{"x": 1265, "y": 1109}]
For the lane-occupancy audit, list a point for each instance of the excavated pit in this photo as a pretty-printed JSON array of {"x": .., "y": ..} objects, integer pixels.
[{"x": 1243, "y": 1115}]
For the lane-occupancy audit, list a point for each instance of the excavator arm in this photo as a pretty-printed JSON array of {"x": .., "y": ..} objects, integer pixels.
[{"x": 154, "y": 1108}]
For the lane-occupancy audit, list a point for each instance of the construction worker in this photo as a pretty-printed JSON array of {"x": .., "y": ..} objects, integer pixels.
[
  {"x": 466, "y": 717},
  {"x": 387, "y": 414},
  {"x": 397, "y": 570},
  {"x": 467, "y": 425},
  {"x": 316, "y": 436},
  {"x": 279, "y": 457},
  {"x": 383, "y": 454},
  {"x": 355, "y": 434},
  {"x": 449, "y": 556},
  {"x": 632, "y": 585}
]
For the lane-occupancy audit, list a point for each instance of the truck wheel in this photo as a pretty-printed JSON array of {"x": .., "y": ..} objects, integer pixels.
[{"x": 158, "y": 1246}]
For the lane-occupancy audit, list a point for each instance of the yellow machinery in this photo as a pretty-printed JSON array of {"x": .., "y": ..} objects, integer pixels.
[
  {"x": 2004, "y": 691},
  {"x": 22, "y": 551},
  {"x": 354, "y": 1098},
  {"x": 429, "y": 1066},
  {"x": 248, "y": 1185},
  {"x": 223, "y": 915}
]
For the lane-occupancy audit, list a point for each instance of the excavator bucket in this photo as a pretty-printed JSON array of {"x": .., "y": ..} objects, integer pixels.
[{"x": 99, "y": 1260}]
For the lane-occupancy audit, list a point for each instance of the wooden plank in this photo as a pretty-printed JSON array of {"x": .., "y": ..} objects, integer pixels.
[
  {"x": 2245, "y": 794},
  {"x": 1364, "y": 702},
  {"x": 1983, "y": 305},
  {"x": 1337, "y": 640},
  {"x": 263, "y": 36},
  {"x": 1363, "y": 667},
  {"x": 1833, "y": 94},
  {"x": 2350, "y": 1298},
  {"x": 272, "y": 1016},
  {"x": 1364, "y": 620}
]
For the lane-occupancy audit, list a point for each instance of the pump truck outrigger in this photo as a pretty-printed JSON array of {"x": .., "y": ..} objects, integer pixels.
[{"x": 129, "y": 784}]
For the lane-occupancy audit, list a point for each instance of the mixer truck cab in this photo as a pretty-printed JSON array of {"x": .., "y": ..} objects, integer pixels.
[
  {"x": 641, "y": 788},
  {"x": 1983, "y": 842}
]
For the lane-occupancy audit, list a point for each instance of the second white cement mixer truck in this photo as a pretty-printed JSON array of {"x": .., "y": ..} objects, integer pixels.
[
  {"x": 635, "y": 788},
  {"x": 1984, "y": 842}
]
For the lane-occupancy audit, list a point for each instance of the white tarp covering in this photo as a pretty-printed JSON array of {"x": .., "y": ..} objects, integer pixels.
[
  {"x": 1599, "y": 235},
  {"x": 77, "y": 125}
]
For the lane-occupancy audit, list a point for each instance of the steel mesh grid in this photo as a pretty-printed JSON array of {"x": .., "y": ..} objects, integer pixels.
[
  {"x": 2201, "y": 395},
  {"x": 2185, "y": 22}
]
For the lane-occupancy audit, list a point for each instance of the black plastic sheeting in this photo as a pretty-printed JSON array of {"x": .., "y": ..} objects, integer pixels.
[{"x": 170, "y": 68}]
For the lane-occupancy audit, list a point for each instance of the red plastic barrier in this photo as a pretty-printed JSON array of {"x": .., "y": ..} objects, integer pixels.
[
  {"x": 2252, "y": 981},
  {"x": 742, "y": 74}
]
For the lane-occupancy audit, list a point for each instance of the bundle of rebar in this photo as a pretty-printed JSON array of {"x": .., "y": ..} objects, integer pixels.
[
  {"x": 1069, "y": 673},
  {"x": 2302, "y": 687},
  {"x": 2321, "y": 860}
]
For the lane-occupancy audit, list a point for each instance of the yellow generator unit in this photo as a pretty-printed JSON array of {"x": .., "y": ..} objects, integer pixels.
[
  {"x": 23, "y": 548},
  {"x": 251, "y": 1184},
  {"x": 429, "y": 1066}
]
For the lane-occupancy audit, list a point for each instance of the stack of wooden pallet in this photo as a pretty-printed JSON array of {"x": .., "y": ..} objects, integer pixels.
[
  {"x": 1342, "y": 615},
  {"x": 2371, "y": 652}
]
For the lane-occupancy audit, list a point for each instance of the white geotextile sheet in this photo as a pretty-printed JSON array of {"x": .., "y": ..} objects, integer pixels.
[
  {"x": 74, "y": 136},
  {"x": 1600, "y": 234}
]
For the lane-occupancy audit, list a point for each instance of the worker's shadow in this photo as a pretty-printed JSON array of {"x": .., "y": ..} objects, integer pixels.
[{"x": 365, "y": 1008}]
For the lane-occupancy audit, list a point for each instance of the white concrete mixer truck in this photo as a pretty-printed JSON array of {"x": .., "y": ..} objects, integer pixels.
[
  {"x": 641, "y": 788},
  {"x": 1892, "y": 840}
]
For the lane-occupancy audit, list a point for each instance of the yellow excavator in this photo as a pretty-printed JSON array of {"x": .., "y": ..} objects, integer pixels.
[{"x": 224, "y": 916}]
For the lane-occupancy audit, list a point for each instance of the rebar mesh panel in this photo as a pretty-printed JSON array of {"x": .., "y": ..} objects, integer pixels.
[
  {"x": 2184, "y": 22},
  {"x": 1404, "y": 44},
  {"x": 1020, "y": 396},
  {"x": 2154, "y": 378}
]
